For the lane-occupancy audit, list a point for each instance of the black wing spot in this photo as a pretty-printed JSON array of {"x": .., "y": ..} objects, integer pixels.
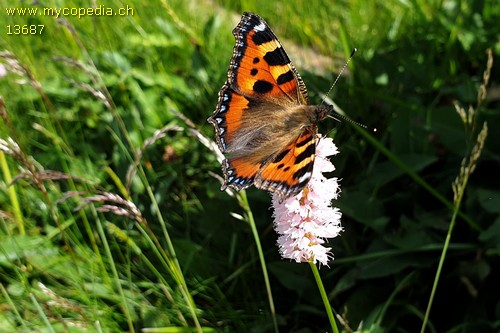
[
  {"x": 262, "y": 86},
  {"x": 285, "y": 77},
  {"x": 262, "y": 37},
  {"x": 277, "y": 57},
  {"x": 281, "y": 155},
  {"x": 308, "y": 152}
]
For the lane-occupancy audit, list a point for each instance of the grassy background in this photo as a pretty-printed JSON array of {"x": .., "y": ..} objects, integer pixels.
[{"x": 108, "y": 224}]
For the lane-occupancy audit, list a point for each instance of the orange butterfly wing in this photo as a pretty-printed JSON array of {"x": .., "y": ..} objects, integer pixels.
[
  {"x": 288, "y": 172},
  {"x": 260, "y": 67},
  {"x": 261, "y": 73}
]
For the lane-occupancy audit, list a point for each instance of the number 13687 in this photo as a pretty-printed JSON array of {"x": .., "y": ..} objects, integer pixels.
[{"x": 25, "y": 29}]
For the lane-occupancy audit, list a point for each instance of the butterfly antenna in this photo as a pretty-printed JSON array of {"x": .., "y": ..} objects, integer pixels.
[
  {"x": 339, "y": 117},
  {"x": 340, "y": 73}
]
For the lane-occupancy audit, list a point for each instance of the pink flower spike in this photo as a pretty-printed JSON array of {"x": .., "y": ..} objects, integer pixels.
[{"x": 304, "y": 221}]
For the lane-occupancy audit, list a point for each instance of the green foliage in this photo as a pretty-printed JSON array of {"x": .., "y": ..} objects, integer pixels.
[{"x": 111, "y": 219}]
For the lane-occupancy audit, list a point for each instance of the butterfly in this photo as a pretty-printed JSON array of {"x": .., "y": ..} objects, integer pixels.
[{"x": 263, "y": 123}]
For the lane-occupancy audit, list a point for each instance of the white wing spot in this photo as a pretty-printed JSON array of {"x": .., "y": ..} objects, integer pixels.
[
  {"x": 305, "y": 177},
  {"x": 260, "y": 27}
]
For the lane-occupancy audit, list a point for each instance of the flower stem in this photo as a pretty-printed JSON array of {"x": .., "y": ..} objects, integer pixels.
[
  {"x": 440, "y": 265},
  {"x": 324, "y": 297},
  {"x": 459, "y": 185}
]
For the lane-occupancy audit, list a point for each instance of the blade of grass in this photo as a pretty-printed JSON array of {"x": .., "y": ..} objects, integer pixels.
[
  {"x": 116, "y": 276},
  {"x": 407, "y": 169},
  {"x": 13, "y": 307},
  {"x": 41, "y": 313},
  {"x": 18, "y": 215}
]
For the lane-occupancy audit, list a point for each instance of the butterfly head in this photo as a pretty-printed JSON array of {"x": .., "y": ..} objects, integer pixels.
[{"x": 322, "y": 111}]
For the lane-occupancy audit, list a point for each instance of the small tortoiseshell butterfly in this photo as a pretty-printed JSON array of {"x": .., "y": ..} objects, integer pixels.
[{"x": 263, "y": 123}]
